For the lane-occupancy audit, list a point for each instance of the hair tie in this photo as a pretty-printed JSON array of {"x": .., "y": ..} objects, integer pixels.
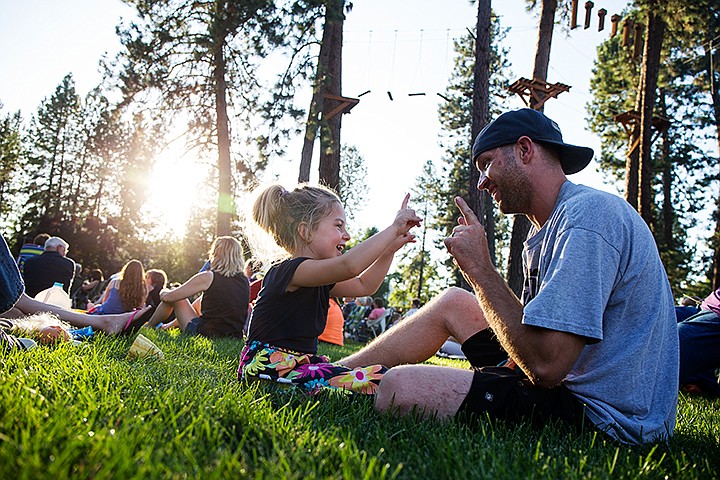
[{"x": 283, "y": 192}]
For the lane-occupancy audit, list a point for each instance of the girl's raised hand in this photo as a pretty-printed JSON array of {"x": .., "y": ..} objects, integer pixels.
[
  {"x": 406, "y": 218},
  {"x": 401, "y": 241}
]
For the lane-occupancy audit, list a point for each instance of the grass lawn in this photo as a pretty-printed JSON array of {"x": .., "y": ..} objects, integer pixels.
[{"x": 89, "y": 412}]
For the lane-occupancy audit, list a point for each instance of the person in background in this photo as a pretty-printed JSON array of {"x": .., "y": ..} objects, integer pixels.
[
  {"x": 378, "y": 309},
  {"x": 28, "y": 250},
  {"x": 699, "y": 333},
  {"x": 53, "y": 266},
  {"x": 333, "y": 332},
  {"x": 252, "y": 270},
  {"x": 225, "y": 295},
  {"x": 89, "y": 289},
  {"x": 156, "y": 281},
  {"x": 124, "y": 293},
  {"x": 414, "y": 307},
  {"x": 348, "y": 306},
  {"x": 78, "y": 279}
]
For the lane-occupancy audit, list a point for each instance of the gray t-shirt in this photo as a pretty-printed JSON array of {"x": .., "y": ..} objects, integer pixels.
[{"x": 594, "y": 270}]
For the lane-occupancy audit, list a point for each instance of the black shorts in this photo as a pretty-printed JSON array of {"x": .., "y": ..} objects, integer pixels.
[
  {"x": 192, "y": 327},
  {"x": 507, "y": 394}
]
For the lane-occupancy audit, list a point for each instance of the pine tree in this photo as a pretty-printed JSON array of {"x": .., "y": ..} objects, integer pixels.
[
  {"x": 200, "y": 59},
  {"x": 455, "y": 118},
  {"x": 353, "y": 180},
  {"x": 417, "y": 273},
  {"x": 679, "y": 163},
  {"x": 54, "y": 142},
  {"x": 11, "y": 151}
]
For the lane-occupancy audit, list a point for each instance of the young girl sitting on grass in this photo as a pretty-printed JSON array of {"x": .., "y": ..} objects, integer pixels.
[{"x": 291, "y": 309}]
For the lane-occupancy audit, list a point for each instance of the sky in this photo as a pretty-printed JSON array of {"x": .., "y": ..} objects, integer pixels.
[{"x": 400, "y": 46}]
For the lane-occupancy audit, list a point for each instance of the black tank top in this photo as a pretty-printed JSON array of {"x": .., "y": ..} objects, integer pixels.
[{"x": 225, "y": 306}]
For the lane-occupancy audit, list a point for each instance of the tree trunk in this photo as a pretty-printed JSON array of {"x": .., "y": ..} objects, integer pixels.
[
  {"x": 479, "y": 201},
  {"x": 318, "y": 99},
  {"x": 715, "y": 95},
  {"x": 225, "y": 199},
  {"x": 421, "y": 276},
  {"x": 542, "y": 52},
  {"x": 668, "y": 239},
  {"x": 631, "y": 171},
  {"x": 651, "y": 66},
  {"x": 521, "y": 225},
  {"x": 632, "y": 161},
  {"x": 330, "y": 127}
]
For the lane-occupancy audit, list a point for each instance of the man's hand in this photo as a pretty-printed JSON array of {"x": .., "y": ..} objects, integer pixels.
[{"x": 468, "y": 243}]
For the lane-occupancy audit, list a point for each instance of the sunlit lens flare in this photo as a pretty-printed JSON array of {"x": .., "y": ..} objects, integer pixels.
[{"x": 174, "y": 185}]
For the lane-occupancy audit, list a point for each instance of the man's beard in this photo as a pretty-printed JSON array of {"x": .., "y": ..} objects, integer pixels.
[{"x": 515, "y": 189}]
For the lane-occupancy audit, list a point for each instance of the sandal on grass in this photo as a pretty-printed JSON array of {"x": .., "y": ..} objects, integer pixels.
[{"x": 137, "y": 320}]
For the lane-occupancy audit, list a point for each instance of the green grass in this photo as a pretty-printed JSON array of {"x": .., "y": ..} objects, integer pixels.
[{"x": 89, "y": 412}]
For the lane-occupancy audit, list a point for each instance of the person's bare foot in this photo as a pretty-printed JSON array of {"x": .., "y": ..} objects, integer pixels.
[{"x": 115, "y": 324}]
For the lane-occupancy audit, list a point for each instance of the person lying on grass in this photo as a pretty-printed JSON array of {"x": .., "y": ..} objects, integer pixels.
[
  {"x": 290, "y": 313},
  {"x": 594, "y": 335},
  {"x": 14, "y": 303},
  {"x": 44, "y": 326},
  {"x": 112, "y": 324}
]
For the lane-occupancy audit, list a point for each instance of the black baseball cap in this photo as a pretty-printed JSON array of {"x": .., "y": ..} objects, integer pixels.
[{"x": 510, "y": 126}]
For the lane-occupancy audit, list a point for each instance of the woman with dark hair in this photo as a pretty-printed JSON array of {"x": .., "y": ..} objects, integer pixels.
[
  {"x": 124, "y": 293},
  {"x": 155, "y": 280}
]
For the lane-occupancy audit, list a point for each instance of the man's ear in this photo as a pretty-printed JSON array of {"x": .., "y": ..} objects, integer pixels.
[
  {"x": 524, "y": 148},
  {"x": 304, "y": 232}
]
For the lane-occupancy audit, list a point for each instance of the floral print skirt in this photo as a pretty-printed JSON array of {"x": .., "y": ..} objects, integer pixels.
[{"x": 311, "y": 373}]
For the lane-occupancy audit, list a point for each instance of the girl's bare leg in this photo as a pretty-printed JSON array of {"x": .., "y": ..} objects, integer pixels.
[
  {"x": 184, "y": 313},
  {"x": 162, "y": 312}
]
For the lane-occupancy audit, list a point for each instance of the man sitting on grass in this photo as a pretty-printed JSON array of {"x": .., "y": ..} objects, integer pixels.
[{"x": 594, "y": 338}]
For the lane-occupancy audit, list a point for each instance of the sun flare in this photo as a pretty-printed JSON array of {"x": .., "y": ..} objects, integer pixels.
[{"x": 175, "y": 183}]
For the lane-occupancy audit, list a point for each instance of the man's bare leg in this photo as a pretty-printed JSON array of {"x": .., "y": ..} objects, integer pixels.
[
  {"x": 455, "y": 312},
  {"x": 432, "y": 390}
]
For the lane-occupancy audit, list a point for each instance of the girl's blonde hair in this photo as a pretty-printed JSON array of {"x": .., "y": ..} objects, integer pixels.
[
  {"x": 280, "y": 212},
  {"x": 132, "y": 290},
  {"x": 226, "y": 257}
]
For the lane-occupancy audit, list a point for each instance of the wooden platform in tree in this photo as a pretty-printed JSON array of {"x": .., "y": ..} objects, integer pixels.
[
  {"x": 537, "y": 90},
  {"x": 630, "y": 119},
  {"x": 345, "y": 104}
]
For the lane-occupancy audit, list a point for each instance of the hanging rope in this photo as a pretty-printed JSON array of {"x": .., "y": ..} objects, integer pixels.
[
  {"x": 418, "y": 68},
  {"x": 392, "y": 67}
]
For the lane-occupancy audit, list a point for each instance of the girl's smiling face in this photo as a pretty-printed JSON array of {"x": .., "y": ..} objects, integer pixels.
[{"x": 328, "y": 240}]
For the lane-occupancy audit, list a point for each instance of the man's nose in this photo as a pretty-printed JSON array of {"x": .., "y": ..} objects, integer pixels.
[{"x": 482, "y": 181}]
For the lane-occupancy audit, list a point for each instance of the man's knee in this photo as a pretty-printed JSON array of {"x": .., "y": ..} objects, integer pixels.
[
  {"x": 461, "y": 313},
  {"x": 390, "y": 392}
]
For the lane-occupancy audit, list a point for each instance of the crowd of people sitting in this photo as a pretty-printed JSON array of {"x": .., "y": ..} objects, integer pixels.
[{"x": 226, "y": 276}]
